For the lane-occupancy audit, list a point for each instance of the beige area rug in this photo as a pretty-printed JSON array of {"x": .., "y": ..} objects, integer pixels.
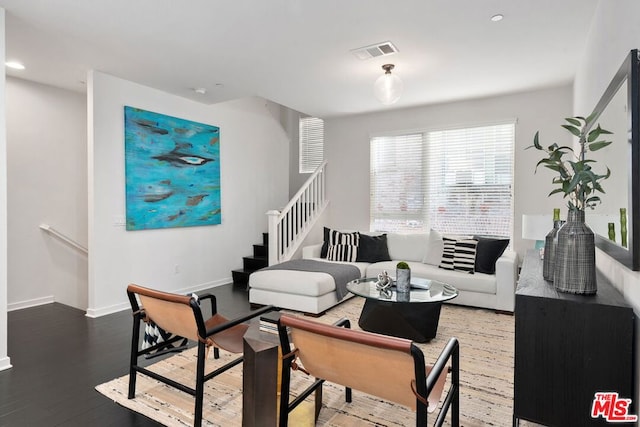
[{"x": 486, "y": 377}]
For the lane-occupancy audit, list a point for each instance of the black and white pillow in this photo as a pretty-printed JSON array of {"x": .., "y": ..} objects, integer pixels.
[
  {"x": 339, "y": 252},
  {"x": 448, "y": 252},
  {"x": 335, "y": 237},
  {"x": 459, "y": 254}
]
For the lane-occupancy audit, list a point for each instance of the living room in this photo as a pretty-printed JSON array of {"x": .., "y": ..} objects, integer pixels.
[{"x": 256, "y": 176}]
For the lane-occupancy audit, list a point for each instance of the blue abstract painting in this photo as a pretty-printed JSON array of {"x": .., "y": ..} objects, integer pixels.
[{"x": 172, "y": 169}]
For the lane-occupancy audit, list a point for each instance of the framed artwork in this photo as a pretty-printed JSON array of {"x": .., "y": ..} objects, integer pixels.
[{"x": 172, "y": 169}]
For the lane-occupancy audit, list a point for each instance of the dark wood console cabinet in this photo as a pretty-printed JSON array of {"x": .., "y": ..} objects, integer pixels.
[{"x": 567, "y": 348}]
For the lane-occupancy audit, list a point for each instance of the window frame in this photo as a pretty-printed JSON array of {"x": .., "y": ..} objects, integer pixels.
[
  {"x": 497, "y": 188},
  {"x": 310, "y": 142}
]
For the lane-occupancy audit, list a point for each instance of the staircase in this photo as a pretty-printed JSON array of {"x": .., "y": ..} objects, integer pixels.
[
  {"x": 287, "y": 227},
  {"x": 252, "y": 263}
]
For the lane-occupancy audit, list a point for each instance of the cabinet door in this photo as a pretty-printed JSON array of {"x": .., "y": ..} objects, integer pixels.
[{"x": 566, "y": 350}]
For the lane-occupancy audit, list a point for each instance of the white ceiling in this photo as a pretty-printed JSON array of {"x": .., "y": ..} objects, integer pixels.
[{"x": 297, "y": 52}]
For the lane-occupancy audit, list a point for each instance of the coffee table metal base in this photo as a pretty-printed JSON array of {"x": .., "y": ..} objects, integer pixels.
[{"x": 415, "y": 321}]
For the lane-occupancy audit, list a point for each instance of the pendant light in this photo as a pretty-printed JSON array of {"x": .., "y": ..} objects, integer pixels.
[{"x": 388, "y": 87}]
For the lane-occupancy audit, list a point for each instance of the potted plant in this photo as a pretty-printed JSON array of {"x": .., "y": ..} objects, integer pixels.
[
  {"x": 576, "y": 178},
  {"x": 574, "y": 264},
  {"x": 403, "y": 277}
]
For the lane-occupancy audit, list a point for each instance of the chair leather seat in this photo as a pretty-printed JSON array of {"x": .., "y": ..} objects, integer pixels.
[{"x": 229, "y": 339}]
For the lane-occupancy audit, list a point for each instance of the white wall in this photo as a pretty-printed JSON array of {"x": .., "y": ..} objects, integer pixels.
[
  {"x": 47, "y": 183},
  {"x": 614, "y": 32},
  {"x": 347, "y": 150},
  {"x": 5, "y": 361},
  {"x": 254, "y": 176}
]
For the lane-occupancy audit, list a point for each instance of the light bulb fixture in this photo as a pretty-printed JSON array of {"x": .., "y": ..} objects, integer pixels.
[{"x": 388, "y": 87}]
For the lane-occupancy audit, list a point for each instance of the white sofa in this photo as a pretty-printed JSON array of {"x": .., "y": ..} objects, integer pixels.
[{"x": 283, "y": 288}]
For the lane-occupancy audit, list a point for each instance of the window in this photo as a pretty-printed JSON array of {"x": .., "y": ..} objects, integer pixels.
[
  {"x": 455, "y": 181},
  {"x": 398, "y": 183},
  {"x": 311, "y": 144}
]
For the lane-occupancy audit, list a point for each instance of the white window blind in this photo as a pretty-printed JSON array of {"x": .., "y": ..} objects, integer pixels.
[
  {"x": 311, "y": 144},
  {"x": 397, "y": 183},
  {"x": 456, "y": 181},
  {"x": 470, "y": 180}
]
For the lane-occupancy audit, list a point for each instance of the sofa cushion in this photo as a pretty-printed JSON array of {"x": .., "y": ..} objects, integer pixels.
[
  {"x": 307, "y": 283},
  {"x": 459, "y": 254},
  {"x": 339, "y": 252},
  {"x": 407, "y": 247},
  {"x": 335, "y": 237},
  {"x": 435, "y": 246},
  {"x": 487, "y": 253},
  {"x": 373, "y": 248}
]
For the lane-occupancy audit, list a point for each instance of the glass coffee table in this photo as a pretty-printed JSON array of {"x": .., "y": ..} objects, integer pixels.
[{"x": 413, "y": 315}]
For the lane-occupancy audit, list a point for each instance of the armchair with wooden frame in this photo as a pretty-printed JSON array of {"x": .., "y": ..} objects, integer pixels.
[
  {"x": 182, "y": 317},
  {"x": 387, "y": 367}
]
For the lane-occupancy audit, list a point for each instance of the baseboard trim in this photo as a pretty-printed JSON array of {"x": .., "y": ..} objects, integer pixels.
[
  {"x": 5, "y": 363},
  {"x": 99, "y": 312},
  {"x": 30, "y": 303},
  {"x": 204, "y": 286}
]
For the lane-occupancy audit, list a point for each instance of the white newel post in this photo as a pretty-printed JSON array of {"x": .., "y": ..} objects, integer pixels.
[{"x": 273, "y": 236}]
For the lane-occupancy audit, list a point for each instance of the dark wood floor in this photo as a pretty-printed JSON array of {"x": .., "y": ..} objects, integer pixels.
[{"x": 59, "y": 356}]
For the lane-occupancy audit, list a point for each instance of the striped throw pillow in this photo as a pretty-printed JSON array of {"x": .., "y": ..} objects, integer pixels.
[
  {"x": 459, "y": 254},
  {"x": 348, "y": 253},
  {"x": 341, "y": 238},
  {"x": 448, "y": 251}
]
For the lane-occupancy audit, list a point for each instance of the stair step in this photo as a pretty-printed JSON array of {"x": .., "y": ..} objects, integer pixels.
[
  {"x": 253, "y": 263},
  {"x": 260, "y": 251},
  {"x": 240, "y": 277},
  {"x": 250, "y": 264}
]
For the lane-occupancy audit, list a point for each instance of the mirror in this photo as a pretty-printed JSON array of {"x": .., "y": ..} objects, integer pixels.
[{"x": 618, "y": 112}]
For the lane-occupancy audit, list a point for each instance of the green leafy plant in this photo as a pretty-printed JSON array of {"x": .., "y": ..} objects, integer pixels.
[
  {"x": 575, "y": 176},
  {"x": 402, "y": 265}
]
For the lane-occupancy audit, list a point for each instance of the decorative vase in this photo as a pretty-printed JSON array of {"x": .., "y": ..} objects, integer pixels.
[
  {"x": 403, "y": 296},
  {"x": 623, "y": 227},
  {"x": 575, "y": 257},
  {"x": 612, "y": 231},
  {"x": 403, "y": 280},
  {"x": 550, "y": 244}
]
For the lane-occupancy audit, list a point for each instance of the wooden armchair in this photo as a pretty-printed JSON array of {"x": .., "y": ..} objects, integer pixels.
[
  {"x": 181, "y": 316},
  {"x": 388, "y": 367}
]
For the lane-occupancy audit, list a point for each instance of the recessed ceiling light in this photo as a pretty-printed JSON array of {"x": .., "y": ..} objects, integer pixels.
[
  {"x": 200, "y": 90},
  {"x": 15, "y": 65},
  {"x": 497, "y": 17}
]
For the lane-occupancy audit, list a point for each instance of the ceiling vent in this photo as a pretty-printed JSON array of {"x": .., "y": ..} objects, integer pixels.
[{"x": 375, "y": 50}]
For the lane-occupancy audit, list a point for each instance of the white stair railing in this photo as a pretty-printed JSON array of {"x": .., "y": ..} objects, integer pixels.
[{"x": 289, "y": 227}]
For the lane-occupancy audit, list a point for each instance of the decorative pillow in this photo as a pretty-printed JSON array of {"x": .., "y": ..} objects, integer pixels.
[
  {"x": 348, "y": 253},
  {"x": 459, "y": 254},
  {"x": 335, "y": 237},
  {"x": 488, "y": 251},
  {"x": 373, "y": 248},
  {"x": 435, "y": 248}
]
